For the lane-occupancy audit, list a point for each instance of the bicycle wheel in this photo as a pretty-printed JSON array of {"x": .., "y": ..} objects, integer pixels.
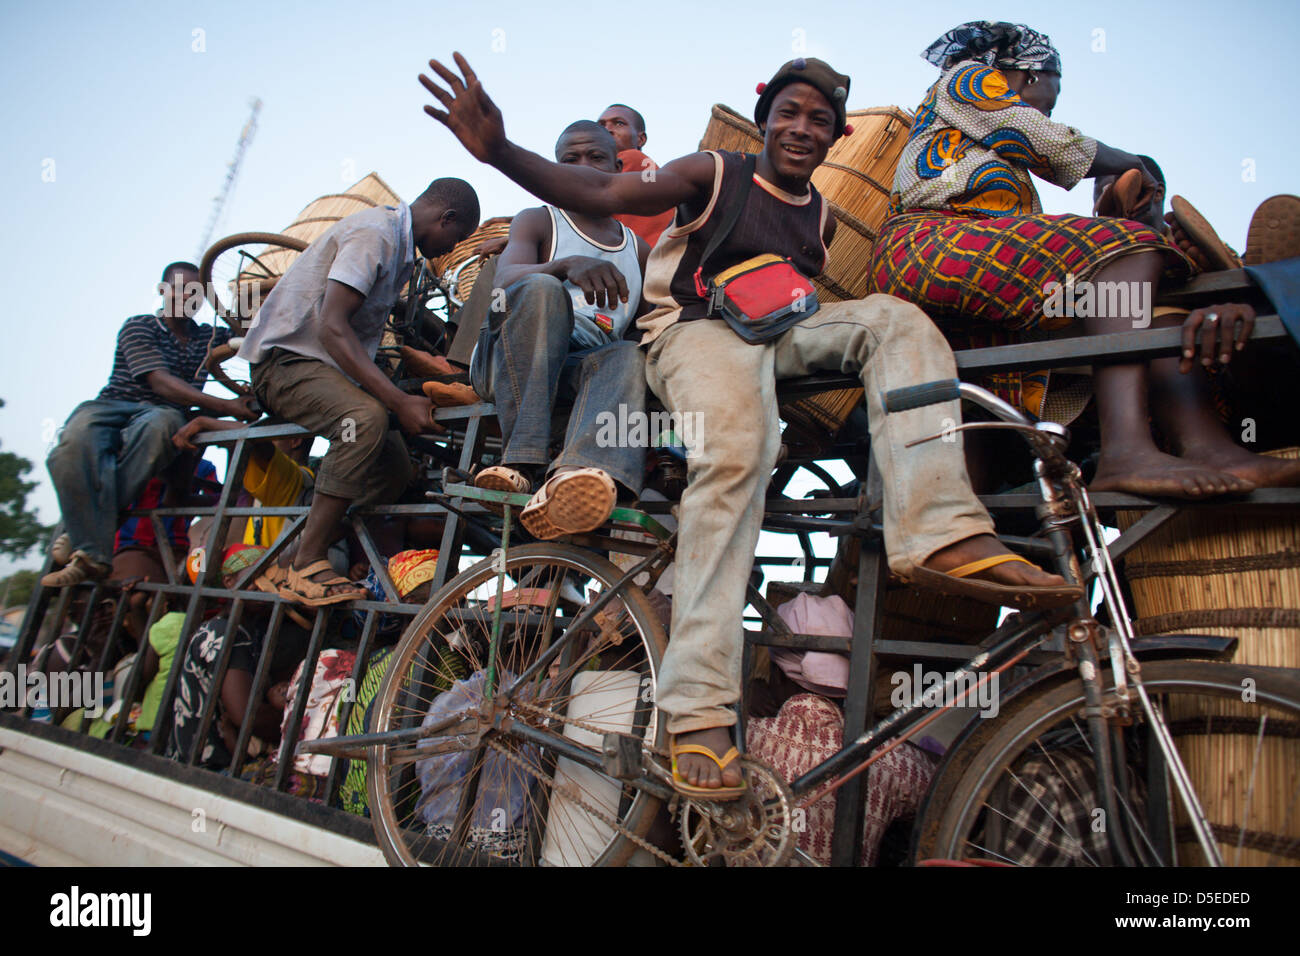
[
  {"x": 1023, "y": 789},
  {"x": 507, "y": 800},
  {"x": 239, "y": 271}
]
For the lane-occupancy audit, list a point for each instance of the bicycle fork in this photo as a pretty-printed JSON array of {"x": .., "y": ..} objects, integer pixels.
[{"x": 1102, "y": 714}]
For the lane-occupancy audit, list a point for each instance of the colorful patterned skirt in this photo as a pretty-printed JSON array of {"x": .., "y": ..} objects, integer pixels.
[{"x": 982, "y": 279}]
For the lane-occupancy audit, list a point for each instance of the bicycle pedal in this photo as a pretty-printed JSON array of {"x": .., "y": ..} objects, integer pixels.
[{"x": 621, "y": 754}]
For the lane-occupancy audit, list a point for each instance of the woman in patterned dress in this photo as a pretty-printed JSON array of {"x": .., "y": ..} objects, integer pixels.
[{"x": 969, "y": 243}]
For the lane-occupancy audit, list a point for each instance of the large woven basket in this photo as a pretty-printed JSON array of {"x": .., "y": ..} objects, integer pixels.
[
  {"x": 461, "y": 283},
  {"x": 858, "y": 173},
  {"x": 1237, "y": 575},
  {"x": 321, "y": 213},
  {"x": 859, "y": 169}
]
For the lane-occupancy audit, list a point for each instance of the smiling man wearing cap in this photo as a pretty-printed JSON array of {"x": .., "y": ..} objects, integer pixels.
[{"x": 698, "y": 365}]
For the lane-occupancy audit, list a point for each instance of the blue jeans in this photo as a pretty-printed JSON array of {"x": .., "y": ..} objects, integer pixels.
[
  {"x": 525, "y": 359},
  {"x": 106, "y": 454}
]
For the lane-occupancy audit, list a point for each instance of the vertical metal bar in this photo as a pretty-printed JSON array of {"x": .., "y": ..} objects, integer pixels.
[
  {"x": 110, "y": 642},
  {"x": 216, "y": 679},
  {"x": 114, "y": 630},
  {"x": 164, "y": 545},
  {"x": 294, "y": 724},
  {"x": 453, "y": 534},
  {"x": 258, "y": 690},
  {"x": 128, "y": 694},
  {"x": 158, "y": 741},
  {"x": 83, "y": 628},
  {"x": 359, "y": 670},
  {"x": 376, "y": 560},
  {"x": 34, "y": 616},
  {"x": 60, "y": 615},
  {"x": 850, "y": 801},
  {"x": 490, "y": 678},
  {"x": 210, "y": 575}
]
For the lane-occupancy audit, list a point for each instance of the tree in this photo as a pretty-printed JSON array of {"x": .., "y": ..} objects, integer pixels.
[
  {"x": 16, "y": 590},
  {"x": 20, "y": 530}
]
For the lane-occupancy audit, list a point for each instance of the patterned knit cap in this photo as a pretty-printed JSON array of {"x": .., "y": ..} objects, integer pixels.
[
  {"x": 816, "y": 73},
  {"x": 1010, "y": 46}
]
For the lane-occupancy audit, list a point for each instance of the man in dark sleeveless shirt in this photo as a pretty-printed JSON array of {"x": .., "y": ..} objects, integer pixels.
[
  {"x": 571, "y": 289},
  {"x": 697, "y": 365}
]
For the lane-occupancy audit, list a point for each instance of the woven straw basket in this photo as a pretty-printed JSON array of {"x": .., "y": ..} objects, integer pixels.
[
  {"x": 1234, "y": 575},
  {"x": 444, "y": 266},
  {"x": 323, "y": 212},
  {"x": 858, "y": 173}
]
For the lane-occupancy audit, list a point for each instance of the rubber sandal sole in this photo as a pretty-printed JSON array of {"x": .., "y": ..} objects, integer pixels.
[
  {"x": 705, "y": 793},
  {"x": 989, "y": 592},
  {"x": 1202, "y": 233},
  {"x": 536, "y": 522},
  {"x": 1274, "y": 232},
  {"x": 581, "y": 501}
]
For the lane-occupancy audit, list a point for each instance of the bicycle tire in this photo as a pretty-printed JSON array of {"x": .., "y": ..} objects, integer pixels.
[
  {"x": 959, "y": 813},
  {"x": 231, "y": 314},
  {"x": 457, "y": 620}
]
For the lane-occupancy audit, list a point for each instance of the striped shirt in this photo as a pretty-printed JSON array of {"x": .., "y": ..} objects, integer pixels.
[
  {"x": 145, "y": 345},
  {"x": 139, "y": 533}
]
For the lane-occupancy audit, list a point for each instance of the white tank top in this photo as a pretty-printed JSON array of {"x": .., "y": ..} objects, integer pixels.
[{"x": 568, "y": 240}]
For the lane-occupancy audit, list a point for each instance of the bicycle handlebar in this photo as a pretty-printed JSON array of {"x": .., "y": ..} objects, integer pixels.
[
  {"x": 947, "y": 390},
  {"x": 918, "y": 396}
]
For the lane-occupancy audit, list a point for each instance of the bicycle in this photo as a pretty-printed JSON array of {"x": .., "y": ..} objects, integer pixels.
[
  {"x": 516, "y": 724},
  {"x": 239, "y": 271}
]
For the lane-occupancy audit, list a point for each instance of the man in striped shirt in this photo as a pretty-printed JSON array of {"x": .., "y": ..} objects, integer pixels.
[{"x": 113, "y": 444}]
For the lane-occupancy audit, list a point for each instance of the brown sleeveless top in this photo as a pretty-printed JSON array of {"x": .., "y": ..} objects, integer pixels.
[{"x": 773, "y": 221}]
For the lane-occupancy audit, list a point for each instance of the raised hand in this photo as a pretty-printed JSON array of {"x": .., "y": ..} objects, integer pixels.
[{"x": 470, "y": 113}]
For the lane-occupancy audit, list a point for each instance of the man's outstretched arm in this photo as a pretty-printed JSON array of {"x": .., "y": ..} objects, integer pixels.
[{"x": 475, "y": 120}]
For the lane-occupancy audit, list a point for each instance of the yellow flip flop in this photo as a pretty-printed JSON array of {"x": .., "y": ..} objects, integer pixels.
[
  {"x": 958, "y": 582},
  {"x": 705, "y": 793}
]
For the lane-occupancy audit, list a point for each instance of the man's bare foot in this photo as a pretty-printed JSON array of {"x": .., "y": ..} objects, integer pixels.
[
  {"x": 1258, "y": 470},
  {"x": 981, "y": 546},
  {"x": 1155, "y": 474},
  {"x": 698, "y": 770}
]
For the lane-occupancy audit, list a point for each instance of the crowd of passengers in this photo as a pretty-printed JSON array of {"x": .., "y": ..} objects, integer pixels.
[{"x": 605, "y": 293}]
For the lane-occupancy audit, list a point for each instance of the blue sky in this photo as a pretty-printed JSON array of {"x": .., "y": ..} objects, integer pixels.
[{"x": 140, "y": 124}]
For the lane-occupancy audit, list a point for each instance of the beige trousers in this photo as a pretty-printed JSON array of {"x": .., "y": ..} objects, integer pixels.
[{"x": 702, "y": 368}]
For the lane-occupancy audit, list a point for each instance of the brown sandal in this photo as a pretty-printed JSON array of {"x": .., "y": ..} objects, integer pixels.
[
  {"x": 1200, "y": 231},
  {"x": 572, "y": 502},
  {"x": 299, "y": 586},
  {"x": 1274, "y": 231},
  {"x": 79, "y": 568},
  {"x": 958, "y": 582},
  {"x": 450, "y": 394}
]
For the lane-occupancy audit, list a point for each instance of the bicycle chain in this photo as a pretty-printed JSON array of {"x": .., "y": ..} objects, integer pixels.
[
  {"x": 582, "y": 725},
  {"x": 532, "y": 771}
]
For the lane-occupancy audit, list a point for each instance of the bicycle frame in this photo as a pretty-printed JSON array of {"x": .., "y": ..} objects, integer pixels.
[{"x": 1065, "y": 503}]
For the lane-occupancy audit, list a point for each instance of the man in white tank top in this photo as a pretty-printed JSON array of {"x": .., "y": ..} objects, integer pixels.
[{"x": 568, "y": 288}]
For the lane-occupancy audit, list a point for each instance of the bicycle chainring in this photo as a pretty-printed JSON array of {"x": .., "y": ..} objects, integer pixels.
[{"x": 755, "y": 829}]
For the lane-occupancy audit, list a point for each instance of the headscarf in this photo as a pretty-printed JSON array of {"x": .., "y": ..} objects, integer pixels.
[
  {"x": 1010, "y": 46},
  {"x": 410, "y": 569},
  {"x": 240, "y": 556}
]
